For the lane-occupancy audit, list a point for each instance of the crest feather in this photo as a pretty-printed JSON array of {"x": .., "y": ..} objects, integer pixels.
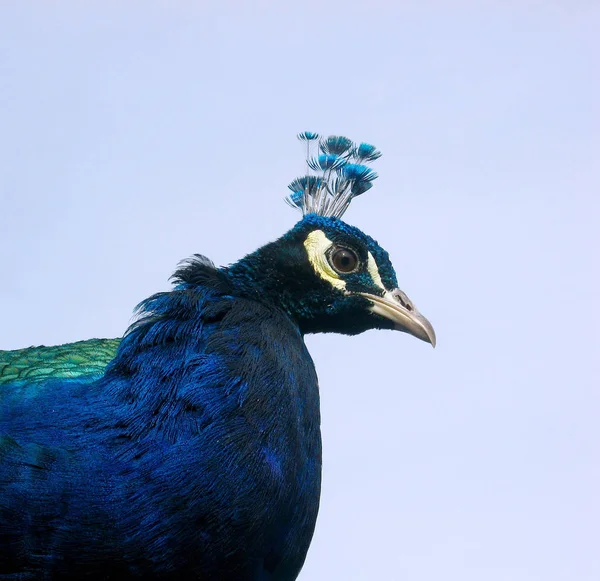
[{"x": 339, "y": 174}]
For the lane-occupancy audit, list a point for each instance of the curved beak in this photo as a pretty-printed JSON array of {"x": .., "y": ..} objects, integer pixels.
[{"x": 399, "y": 309}]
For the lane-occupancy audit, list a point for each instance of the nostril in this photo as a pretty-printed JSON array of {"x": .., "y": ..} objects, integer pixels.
[{"x": 403, "y": 300}]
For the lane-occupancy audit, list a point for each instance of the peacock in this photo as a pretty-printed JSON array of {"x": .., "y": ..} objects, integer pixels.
[{"x": 190, "y": 448}]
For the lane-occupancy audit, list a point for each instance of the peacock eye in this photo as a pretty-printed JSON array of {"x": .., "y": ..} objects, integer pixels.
[{"x": 344, "y": 260}]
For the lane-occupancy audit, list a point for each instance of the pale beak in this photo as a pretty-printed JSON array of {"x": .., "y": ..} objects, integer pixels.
[{"x": 399, "y": 309}]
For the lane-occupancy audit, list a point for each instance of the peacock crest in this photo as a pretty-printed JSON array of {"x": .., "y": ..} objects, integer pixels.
[{"x": 337, "y": 172}]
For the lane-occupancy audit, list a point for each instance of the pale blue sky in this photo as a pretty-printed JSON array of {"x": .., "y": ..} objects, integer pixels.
[{"x": 133, "y": 134}]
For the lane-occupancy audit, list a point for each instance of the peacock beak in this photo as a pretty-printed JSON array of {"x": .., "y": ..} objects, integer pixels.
[{"x": 399, "y": 309}]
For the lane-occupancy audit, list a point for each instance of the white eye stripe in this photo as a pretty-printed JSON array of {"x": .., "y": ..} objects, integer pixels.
[
  {"x": 317, "y": 245},
  {"x": 374, "y": 271}
]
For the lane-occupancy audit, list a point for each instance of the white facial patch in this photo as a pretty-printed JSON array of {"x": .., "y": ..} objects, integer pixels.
[
  {"x": 374, "y": 272},
  {"x": 317, "y": 245}
]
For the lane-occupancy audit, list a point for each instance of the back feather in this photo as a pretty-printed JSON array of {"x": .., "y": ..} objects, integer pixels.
[{"x": 70, "y": 361}]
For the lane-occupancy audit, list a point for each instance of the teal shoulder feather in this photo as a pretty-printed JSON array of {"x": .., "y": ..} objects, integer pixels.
[{"x": 69, "y": 361}]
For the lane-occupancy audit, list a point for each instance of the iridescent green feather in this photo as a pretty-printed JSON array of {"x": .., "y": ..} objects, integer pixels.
[{"x": 70, "y": 361}]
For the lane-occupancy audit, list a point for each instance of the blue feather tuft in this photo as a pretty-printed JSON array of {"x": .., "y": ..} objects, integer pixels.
[
  {"x": 296, "y": 198},
  {"x": 367, "y": 152},
  {"x": 308, "y": 136},
  {"x": 360, "y": 188},
  {"x": 336, "y": 145},
  {"x": 326, "y": 162},
  {"x": 358, "y": 172},
  {"x": 305, "y": 183}
]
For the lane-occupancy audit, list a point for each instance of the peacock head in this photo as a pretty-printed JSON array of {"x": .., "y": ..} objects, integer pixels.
[{"x": 325, "y": 274}]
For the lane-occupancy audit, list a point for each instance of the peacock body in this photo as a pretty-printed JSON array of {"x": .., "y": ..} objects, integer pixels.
[{"x": 191, "y": 448}]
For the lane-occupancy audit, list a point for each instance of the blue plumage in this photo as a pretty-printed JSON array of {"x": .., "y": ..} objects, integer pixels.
[
  {"x": 204, "y": 422},
  {"x": 197, "y": 454}
]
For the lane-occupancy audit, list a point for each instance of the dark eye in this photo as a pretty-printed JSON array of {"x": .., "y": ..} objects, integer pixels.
[{"x": 344, "y": 260}]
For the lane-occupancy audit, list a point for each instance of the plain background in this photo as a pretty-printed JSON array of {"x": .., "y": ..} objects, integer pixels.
[{"x": 133, "y": 134}]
